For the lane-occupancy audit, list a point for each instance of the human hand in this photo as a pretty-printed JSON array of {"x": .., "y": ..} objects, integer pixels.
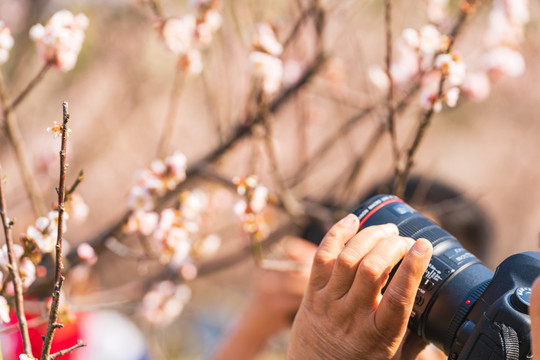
[
  {"x": 534, "y": 312},
  {"x": 278, "y": 292},
  {"x": 343, "y": 314}
]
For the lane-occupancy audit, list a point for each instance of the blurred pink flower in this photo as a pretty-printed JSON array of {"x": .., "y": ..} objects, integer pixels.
[
  {"x": 451, "y": 96},
  {"x": 178, "y": 33},
  {"x": 60, "y": 40},
  {"x": 453, "y": 67},
  {"x": 6, "y": 42},
  {"x": 191, "y": 62},
  {"x": 4, "y": 311},
  {"x": 265, "y": 40},
  {"x": 76, "y": 207},
  {"x": 431, "y": 40},
  {"x": 503, "y": 61},
  {"x": 27, "y": 269},
  {"x": 267, "y": 68},
  {"x": 164, "y": 302},
  {"x": 207, "y": 247},
  {"x": 476, "y": 86},
  {"x": 18, "y": 251},
  {"x": 26, "y": 357},
  {"x": 378, "y": 77},
  {"x": 437, "y": 10},
  {"x": 87, "y": 253}
]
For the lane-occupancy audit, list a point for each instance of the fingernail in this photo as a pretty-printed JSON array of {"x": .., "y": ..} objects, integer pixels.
[
  {"x": 420, "y": 247},
  {"x": 349, "y": 220}
]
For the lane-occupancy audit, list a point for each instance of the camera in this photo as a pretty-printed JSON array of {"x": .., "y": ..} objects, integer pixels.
[{"x": 461, "y": 306}]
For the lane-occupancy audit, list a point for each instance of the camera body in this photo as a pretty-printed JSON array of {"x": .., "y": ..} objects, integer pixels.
[{"x": 461, "y": 306}]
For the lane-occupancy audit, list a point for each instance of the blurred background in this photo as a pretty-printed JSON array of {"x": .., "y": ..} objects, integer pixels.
[{"x": 119, "y": 94}]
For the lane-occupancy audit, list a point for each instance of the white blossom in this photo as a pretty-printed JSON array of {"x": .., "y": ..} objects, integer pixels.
[{"x": 6, "y": 42}]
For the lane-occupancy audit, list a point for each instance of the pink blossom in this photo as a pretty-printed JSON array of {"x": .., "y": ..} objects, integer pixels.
[
  {"x": 176, "y": 165},
  {"x": 476, "y": 86},
  {"x": 4, "y": 311},
  {"x": 143, "y": 222},
  {"x": 26, "y": 357},
  {"x": 87, "y": 253},
  {"x": 406, "y": 62},
  {"x": 191, "y": 62},
  {"x": 193, "y": 203},
  {"x": 60, "y": 41},
  {"x": 27, "y": 269},
  {"x": 165, "y": 302},
  {"x": 378, "y": 77},
  {"x": 429, "y": 91},
  {"x": 431, "y": 40},
  {"x": 265, "y": 40},
  {"x": 453, "y": 67},
  {"x": 6, "y": 42},
  {"x": 292, "y": 70},
  {"x": 140, "y": 198},
  {"x": 437, "y": 10},
  {"x": 451, "y": 96},
  {"x": 269, "y": 69},
  {"x": 18, "y": 251},
  {"x": 77, "y": 207},
  {"x": 207, "y": 247},
  {"x": 503, "y": 61},
  {"x": 258, "y": 198},
  {"x": 45, "y": 231},
  {"x": 178, "y": 33}
]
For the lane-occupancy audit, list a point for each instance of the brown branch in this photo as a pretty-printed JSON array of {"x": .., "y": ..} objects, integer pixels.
[
  {"x": 15, "y": 137},
  {"x": 14, "y": 271},
  {"x": 79, "y": 344},
  {"x": 402, "y": 174},
  {"x": 40, "y": 75},
  {"x": 391, "y": 120},
  {"x": 58, "y": 278},
  {"x": 76, "y": 183}
]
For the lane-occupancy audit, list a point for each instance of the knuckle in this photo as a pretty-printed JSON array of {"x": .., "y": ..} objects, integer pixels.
[
  {"x": 348, "y": 258},
  {"x": 397, "y": 298},
  {"x": 372, "y": 269},
  {"x": 323, "y": 257}
]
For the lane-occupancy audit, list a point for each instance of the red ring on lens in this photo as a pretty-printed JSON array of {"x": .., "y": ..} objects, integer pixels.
[{"x": 384, "y": 203}]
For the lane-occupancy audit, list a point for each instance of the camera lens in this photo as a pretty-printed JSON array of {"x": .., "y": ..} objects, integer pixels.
[{"x": 453, "y": 281}]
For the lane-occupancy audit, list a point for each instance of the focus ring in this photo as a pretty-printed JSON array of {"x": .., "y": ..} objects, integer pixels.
[{"x": 462, "y": 313}]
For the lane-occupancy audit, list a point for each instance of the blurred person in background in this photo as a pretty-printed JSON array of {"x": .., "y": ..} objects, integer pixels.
[{"x": 278, "y": 294}]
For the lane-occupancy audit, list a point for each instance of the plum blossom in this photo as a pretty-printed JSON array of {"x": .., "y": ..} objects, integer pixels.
[
  {"x": 26, "y": 357},
  {"x": 45, "y": 231},
  {"x": 265, "y": 40},
  {"x": 451, "y": 96},
  {"x": 178, "y": 33},
  {"x": 27, "y": 269},
  {"x": 6, "y": 42},
  {"x": 476, "y": 86},
  {"x": 156, "y": 180},
  {"x": 503, "y": 61},
  {"x": 437, "y": 10},
  {"x": 76, "y": 207},
  {"x": 60, "y": 40},
  {"x": 251, "y": 210},
  {"x": 18, "y": 251},
  {"x": 267, "y": 68},
  {"x": 378, "y": 77},
  {"x": 207, "y": 247},
  {"x": 431, "y": 40},
  {"x": 4, "y": 310},
  {"x": 164, "y": 302},
  {"x": 266, "y": 65},
  {"x": 506, "y": 22},
  {"x": 453, "y": 68},
  {"x": 143, "y": 222},
  {"x": 86, "y": 253},
  {"x": 191, "y": 62}
]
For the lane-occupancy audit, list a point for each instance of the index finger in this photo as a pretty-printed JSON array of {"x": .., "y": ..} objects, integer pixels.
[{"x": 398, "y": 299}]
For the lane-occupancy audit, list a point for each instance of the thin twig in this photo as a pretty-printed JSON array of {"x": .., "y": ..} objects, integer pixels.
[
  {"x": 390, "y": 99},
  {"x": 14, "y": 134},
  {"x": 30, "y": 86},
  {"x": 402, "y": 174},
  {"x": 14, "y": 271},
  {"x": 58, "y": 278},
  {"x": 76, "y": 183},
  {"x": 79, "y": 344}
]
